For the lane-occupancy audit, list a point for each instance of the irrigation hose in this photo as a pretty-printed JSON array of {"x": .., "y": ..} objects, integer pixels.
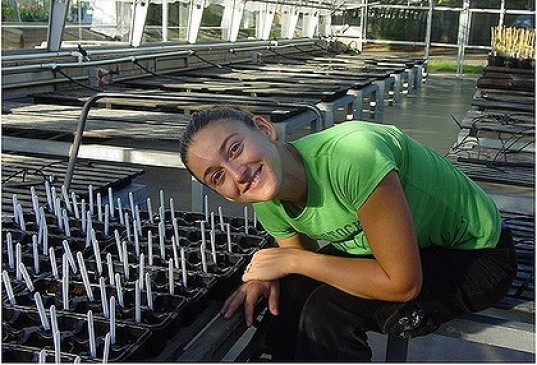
[{"x": 58, "y": 70}]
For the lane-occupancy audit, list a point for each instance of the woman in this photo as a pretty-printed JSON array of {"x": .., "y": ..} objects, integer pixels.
[{"x": 411, "y": 242}]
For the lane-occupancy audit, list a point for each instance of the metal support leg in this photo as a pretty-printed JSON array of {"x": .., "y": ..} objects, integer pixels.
[
  {"x": 396, "y": 349},
  {"x": 397, "y": 87},
  {"x": 372, "y": 102},
  {"x": 380, "y": 97},
  {"x": 411, "y": 78},
  {"x": 419, "y": 75},
  {"x": 358, "y": 104}
]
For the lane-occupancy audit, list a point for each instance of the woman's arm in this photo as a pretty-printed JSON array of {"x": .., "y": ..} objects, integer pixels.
[
  {"x": 395, "y": 275},
  {"x": 248, "y": 294},
  {"x": 299, "y": 241}
]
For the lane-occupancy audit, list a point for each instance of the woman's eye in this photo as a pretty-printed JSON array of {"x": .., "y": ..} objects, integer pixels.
[
  {"x": 234, "y": 149},
  {"x": 217, "y": 177}
]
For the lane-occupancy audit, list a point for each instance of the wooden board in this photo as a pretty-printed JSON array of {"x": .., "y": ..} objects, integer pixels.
[
  {"x": 283, "y": 74},
  {"x": 164, "y": 111},
  {"x": 20, "y": 172},
  {"x": 480, "y": 170},
  {"x": 483, "y": 103},
  {"x": 34, "y": 125},
  {"x": 327, "y": 70},
  {"x": 291, "y": 88}
]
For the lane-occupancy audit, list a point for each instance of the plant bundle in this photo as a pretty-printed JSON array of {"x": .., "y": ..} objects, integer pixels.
[{"x": 511, "y": 42}]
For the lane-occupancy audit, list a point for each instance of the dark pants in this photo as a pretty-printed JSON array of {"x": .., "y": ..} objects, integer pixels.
[{"x": 319, "y": 322}]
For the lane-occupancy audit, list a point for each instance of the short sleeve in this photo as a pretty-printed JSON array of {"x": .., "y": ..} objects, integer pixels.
[{"x": 359, "y": 162}]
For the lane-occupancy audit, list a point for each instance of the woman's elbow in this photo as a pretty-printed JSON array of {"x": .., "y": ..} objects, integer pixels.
[{"x": 409, "y": 291}]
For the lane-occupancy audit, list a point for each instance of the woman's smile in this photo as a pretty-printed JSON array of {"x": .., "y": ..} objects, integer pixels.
[{"x": 254, "y": 181}]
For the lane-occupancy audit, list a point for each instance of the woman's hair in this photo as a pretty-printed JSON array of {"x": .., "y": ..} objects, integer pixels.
[{"x": 203, "y": 118}]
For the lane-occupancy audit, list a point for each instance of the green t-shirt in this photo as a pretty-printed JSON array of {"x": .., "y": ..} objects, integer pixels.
[{"x": 344, "y": 165}]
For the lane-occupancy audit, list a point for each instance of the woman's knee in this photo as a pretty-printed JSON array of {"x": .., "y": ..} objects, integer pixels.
[{"x": 329, "y": 330}]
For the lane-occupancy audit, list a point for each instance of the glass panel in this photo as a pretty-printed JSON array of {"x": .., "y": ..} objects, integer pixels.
[
  {"x": 177, "y": 30},
  {"x": 452, "y": 3},
  {"x": 277, "y": 26},
  {"x": 98, "y": 23},
  {"x": 445, "y": 27},
  {"x": 350, "y": 17},
  {"x": 397, "y": 24},
  {"x": 210, "y": 27},
  {"x": 248, "y": 24},
  {"x": 520, "y": 4},
  {"x": 300, "y": 24},
  {"x": 24, "y": 24},
  {"x": 480, "y": 30},
  {"x": 519, "y": 21}
]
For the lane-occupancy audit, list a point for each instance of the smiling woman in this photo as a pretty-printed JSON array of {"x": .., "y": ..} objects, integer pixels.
[
  {"x": 244, "y": 166},
  {"x": 412, "y": 241}
]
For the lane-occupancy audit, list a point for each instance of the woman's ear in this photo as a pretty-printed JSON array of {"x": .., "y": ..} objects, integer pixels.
[{"x": 266, "y": 127}]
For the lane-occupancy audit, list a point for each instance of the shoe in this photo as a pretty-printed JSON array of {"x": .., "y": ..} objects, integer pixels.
[{"x": 411, "y": 322}]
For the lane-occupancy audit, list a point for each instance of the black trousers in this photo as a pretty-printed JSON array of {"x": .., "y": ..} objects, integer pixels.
[{"x": 318, "y": 322}]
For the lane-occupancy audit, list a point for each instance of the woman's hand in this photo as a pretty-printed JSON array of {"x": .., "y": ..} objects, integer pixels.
[
  {"x": 271, "y": 264},
  {"x": 248, "y": 295}
]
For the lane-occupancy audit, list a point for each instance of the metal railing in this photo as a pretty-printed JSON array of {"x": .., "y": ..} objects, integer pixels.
[{"x": 82, "y": 121}]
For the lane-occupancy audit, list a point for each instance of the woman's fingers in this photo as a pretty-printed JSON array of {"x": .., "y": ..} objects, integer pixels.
[
  {"x": 274, "y": 298},
  {"x": 232, "y": 303},
  {"x": 248, "y": 295}
]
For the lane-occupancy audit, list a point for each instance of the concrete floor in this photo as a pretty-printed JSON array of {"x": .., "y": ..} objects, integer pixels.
[{"x": 427, "y": 115}]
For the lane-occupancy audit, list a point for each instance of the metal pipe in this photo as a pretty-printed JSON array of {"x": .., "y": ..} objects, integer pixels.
[
  {"x": 130, "y": 50},
  {"x": 259, "y": 48},
  {"x": 95, "y": 98},
  {"x": 33, "y": 56},
  {"x": 53, "y": 66},
  {"x": 308, "y": 4},
  {"x": 462, "y": 38},
  {"x": 429, "y": 28},
  {"x": 275, "y": 44}
]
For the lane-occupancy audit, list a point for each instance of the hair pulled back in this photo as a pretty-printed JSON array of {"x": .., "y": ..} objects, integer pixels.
[{"x": 203, "y": 118}]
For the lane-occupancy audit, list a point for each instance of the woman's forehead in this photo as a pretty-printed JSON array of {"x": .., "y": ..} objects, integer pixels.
[
  {"x": 213, "y": 136},
  {"x": 217, "y": 129}
]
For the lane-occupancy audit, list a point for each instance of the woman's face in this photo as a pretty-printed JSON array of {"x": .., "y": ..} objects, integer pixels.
[{"x": 240, "y": 163}]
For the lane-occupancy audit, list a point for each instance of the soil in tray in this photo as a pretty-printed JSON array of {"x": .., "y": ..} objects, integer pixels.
[
  {"x": 227, "y": 271},
  {"x": 191, "y": 219},
  {"x": 197, "y": 293},
  {"x": 247, "y": 245},
  {"x": 20, "y": 354},
  {"x": 237, "y": 225},
  {"x": 44, "y": 268},
  {"x": 23, "y": 328},
  {"x": 159, "y": 324},
  {"x": 51, "y": 294},
  {"x": 51, "y": 291},
  {"x": 225, "y": 265},
  {"x": 163, "y": 320},
  {"x": 56, "y": 242}
]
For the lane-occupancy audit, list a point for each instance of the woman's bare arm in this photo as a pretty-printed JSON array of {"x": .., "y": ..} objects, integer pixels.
[{"x": 395, "y": 274}]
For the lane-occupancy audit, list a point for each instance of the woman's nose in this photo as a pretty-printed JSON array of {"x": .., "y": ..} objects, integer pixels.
[{"x": 238, "y": 171}]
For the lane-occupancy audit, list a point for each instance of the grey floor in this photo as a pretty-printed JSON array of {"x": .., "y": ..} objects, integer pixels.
[{"x": 427, "y": 115}]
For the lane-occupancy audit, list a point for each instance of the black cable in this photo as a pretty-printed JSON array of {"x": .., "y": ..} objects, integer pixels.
[
  {"x": 75, "y": 81},
  {"x": 25, "y": 172},
  {"x": 40, "y": 172},
  {"x": 456, "y": 121},
  {"x": 135, "y": 62},
  {"x": 284, "y": 56},
  {"x": 167, "y": 76},
  {"x": 207, "y": 61}
]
